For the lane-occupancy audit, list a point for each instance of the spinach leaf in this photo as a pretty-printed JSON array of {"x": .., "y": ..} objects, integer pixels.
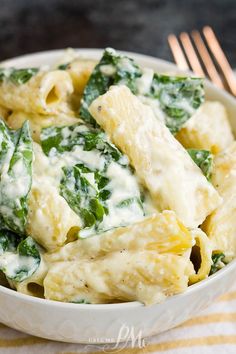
[
  {"x": 66, "y": 138},
  {"x": 28, "y": 248},
  {"x": 6, "y": 142},
  {"x": 63, "y": 66},
  {"x": 8, "y": 241},
  {"x": 113, "y": 69},
  {"x": 129, "y": 201},
  {"x": 21, "y": 76},
  {"x": 179, "y": 97},
  {"x": 17, "y": 76},
  {"x": 19, "y": 258},
  {"x": 82, "y": 188},
  {"x": 2, "y": 75},
  {"x": 217, "y": 258},
  {"x": 15, "y": 176},
  {"x": 88, "y": 193},
  {"x": 82, "y": 301},
  {"x": 204, "y": 160},
  {"x": 85, "y": 186}
]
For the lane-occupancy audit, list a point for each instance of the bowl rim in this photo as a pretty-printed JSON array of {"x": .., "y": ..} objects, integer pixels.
[{"x": 131, "y": 304}]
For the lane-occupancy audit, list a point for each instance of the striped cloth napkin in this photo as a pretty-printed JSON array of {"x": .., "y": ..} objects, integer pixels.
[{"x": 212, "y": 331}]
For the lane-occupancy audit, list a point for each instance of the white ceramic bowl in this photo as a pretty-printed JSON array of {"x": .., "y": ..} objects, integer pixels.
[{"x": 81, "y": 323}]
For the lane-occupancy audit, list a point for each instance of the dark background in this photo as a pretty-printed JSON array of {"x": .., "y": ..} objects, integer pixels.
[{"x": 140, "y": 26}]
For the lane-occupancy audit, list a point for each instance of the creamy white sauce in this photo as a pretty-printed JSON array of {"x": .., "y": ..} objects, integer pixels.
[
  {"x": 92, "y": 159},
  {"x": 144, "y": 82},
  {"x": 7, "y": 72},
  {"x": 126, "y": 64},
  {"x": 155, "y": 105},
  {"x": 15, "y": 188},
  {"x": 123, "y": 184},
  {"x": 186, "y": 106},
  {"x": 180, "y": 104},
  {"x": 11, "y": 263},
  {"x": 107, "y": 70},
  {"x": 161, "y": 162},
  {"x": 5, "y": 164}
]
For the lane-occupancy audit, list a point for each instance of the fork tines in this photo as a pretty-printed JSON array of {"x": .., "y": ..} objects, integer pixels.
[{"x": 201, "y": 52}]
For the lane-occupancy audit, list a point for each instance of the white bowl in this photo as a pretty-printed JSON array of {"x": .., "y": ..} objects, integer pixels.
[{"x": 81, "y": 323}]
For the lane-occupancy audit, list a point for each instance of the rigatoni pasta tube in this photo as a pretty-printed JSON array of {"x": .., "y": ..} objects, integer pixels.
[
  {"x": 207, "y": 129},
  {"x": 160, "y": 161},
  {"x": 33, "y": 285},
  {"x": 125, "y": 276},
  {"x": 80, "y": 71},
  {"x": 44, "y": 93},
  {"x": 160, "y": 232},
  {"x": 220, "y": 226},
  {"x": 50, "y": 217},
  {"x": 223, "y": 174},
  {"x": 201, "y": 253}
]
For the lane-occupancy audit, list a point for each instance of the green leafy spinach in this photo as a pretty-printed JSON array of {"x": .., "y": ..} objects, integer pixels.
[
  {"x": 66, "y": 138},
  {"x": 87, "y": 189},
  {"x": 88, "y": 193},
  {"x": 127, "y": 202},
  {"x": 63, "y": 66},
  {"x": 8, "y": 241},
  {"x": 85, "y": 198},
  {"x": 177, "y": 97},
  {"x": 217, "y": 259},
  {"x": 17, "y": 76},
  {"x": 113, "y": 69},
  {"x": 204, "y": 160},
  {"x": 82, "y": 301},
  {"x": 15, "y": 176},
  {"x": 19, "y": 257}
]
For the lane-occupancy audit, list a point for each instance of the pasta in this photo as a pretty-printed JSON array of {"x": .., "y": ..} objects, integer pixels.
[
  {"x": 43, "y": 93},
  {"x": 116, "y": 182},
  {"x": 208, "y": 129},
  {"x": 37, "y": 121},
  {"x": 162, "y": 233},
  {"x": 124, "y": 276},
  {"x": 80, "y": 71},
  {"x": 224, "y": 169},
  {"x": 33, "y": 285},
  {"x": 220, "y": 225},
  {"x": 50, "y": 218},
  {"x": 202, "y": 250},
  {"x": 161, "y": 163}
]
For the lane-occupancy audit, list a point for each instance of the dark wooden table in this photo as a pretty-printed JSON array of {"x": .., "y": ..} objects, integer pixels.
[{"x": 141, "y": 25}]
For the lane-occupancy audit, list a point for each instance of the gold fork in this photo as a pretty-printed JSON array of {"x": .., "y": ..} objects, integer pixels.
[{"x": 200, "y": 53}]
